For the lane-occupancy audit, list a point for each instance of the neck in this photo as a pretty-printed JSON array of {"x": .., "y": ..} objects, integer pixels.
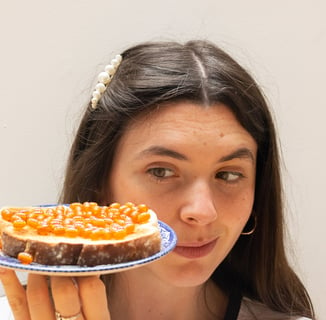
[{"x": 132, "y": 298}]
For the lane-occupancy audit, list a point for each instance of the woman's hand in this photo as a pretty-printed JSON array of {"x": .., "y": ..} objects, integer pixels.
[{"x": 83, "y": 297}]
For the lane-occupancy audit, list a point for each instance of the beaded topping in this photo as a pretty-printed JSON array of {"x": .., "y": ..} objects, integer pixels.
[{"x": 104, "y": 78}]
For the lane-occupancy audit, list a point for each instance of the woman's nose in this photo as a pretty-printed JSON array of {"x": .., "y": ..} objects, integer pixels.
[{"x": 198, "y": 205}]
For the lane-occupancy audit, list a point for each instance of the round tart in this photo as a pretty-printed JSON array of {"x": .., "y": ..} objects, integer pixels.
[{"x": 83, "y": 234}]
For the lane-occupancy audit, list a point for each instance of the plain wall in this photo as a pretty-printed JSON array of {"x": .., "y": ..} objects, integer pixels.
[{"x": 51, "y": 52}]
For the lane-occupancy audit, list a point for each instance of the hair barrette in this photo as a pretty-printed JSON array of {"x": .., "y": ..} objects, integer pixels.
[{"x": 104, "y": 78}]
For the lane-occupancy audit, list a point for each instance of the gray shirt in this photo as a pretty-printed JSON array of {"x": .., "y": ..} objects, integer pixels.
[{"x": 252, "y": 310}]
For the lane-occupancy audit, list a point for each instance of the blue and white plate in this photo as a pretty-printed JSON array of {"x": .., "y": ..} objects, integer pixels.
[{"x": 169, "y": 241}]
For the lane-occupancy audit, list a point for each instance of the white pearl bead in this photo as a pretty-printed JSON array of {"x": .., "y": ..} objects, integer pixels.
[
  {"x": 100, "y": 87},
  {"x": 109, "y": 69},
  {"x": 96, "y": 95},
  {"x": 104, "y": 77},
  {"x": 115, "y": 62},
  {"x": 94, "y": 101}
]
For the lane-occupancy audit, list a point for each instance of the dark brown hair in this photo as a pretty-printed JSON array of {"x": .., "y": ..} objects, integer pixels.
[{"x": 153, "y": 74}]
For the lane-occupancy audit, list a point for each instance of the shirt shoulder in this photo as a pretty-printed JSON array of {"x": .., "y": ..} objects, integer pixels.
[{"x": 253, "y": 310}]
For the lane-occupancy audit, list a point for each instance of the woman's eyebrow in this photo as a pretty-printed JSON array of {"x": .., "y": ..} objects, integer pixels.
[
  {"x": 242, "y": 153},
  {"x": 162, "y": 151}
]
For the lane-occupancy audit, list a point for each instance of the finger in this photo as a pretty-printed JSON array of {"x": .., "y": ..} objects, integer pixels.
[
  {"x": 93, "y": 297},
  {"x": 38, "y": 297},
  {"x": 15, "y": 293},
  {"x": 65, "y": 296}
]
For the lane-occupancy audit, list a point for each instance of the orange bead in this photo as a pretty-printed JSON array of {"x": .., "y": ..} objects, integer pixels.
[
  {"x": 68, "y": 221},
  {"x": 93, "y": 207},
  {"x": 124, "y": 207},
  {"x": 40, "y": 216},
  {"x": 35, "y": 211},
  {"x": 142, "y": 208},
  {"x": 57, "y": 220},
  {"x": 134, "y": 216},
  {"x": 97, "y": 234},
  {"x": 70, "y": 213},
  {"x": 7, "y": 214},
  {"x": 19, "y": 224},
  {"x": 25, "y": 258},
  {"x": 60, "y": 208},
  {"x": 143, "y": 217},
  {"x": 98, "y": 222},
  {"x": 87, "y": 214},
  {"x": 129, "y": 204},
  {"x": 113, "y": 212},
  {"x": 93, "y": 204},
  {"x": 19, "y": 215},
  {"x": 58, "y": 230},
  {"x": 126, "y": 210},
  {"x": 85, "y": 206},
  {"x": 75, "y": 206},
  {"x": 115, "y": 205},
  {"x": 32, "y": 215},
  {"x": 78, "y": 218},
  {"x": 43, "y": 229},
  {"x": 86, "y": 232},
  {"x": 49, "y": 212},
  {"x": 120, "y": 222},
  {"x": 119, "y": 234},
  {"x": 71, "y": 232},
  {"x": 130, "y": 228},
  {"x": 33, "y": 223},
  {"x": 108, "y": 221}
]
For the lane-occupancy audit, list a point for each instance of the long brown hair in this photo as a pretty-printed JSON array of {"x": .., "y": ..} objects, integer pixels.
[{"x": 153, "y": 74}]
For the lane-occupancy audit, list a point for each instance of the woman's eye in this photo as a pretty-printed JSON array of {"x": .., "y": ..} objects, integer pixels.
[
  {"x": 229, "y": 176},
  {"x": 161, "y": 173}
]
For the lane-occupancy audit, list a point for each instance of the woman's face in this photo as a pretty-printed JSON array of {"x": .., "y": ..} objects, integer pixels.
[{"x": 195, "y": 167}]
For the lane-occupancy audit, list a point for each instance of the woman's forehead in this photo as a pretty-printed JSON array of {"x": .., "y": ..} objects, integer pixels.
[{"x": 187, "y": 123}]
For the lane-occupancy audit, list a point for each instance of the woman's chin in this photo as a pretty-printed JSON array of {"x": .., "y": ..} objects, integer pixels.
[{"x": 189, "y": 274}]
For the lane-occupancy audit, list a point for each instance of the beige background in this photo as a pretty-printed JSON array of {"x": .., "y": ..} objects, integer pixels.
[{"x": 51, "y": 52}]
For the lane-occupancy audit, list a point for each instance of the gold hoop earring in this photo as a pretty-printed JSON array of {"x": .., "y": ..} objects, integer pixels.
[{"x": 247, "y": 233}]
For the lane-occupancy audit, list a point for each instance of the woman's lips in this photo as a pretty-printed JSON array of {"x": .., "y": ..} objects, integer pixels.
[{"x": 193, "y": 251}]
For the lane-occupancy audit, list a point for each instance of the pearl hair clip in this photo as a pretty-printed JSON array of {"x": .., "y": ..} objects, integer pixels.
[{"x": 104, "y": 78}]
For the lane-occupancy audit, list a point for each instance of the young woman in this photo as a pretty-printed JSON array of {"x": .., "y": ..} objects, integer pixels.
[{"x": 186, "y": 130}]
